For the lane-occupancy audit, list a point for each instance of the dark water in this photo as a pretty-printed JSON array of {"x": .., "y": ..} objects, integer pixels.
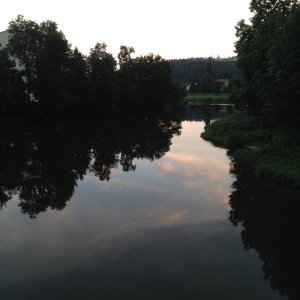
[{"x": 139, "y": 209}]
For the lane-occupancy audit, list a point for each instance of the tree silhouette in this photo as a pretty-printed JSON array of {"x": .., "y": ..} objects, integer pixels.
[
  {"x": 42, "y": 166},
  {"x": 268, "y": 215}
]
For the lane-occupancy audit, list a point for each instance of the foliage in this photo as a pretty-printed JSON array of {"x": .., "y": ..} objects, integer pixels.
[
  {"x": 12, "y": 95},
  {"x": 192, "y": 70},
  {"x": 146, "y": 82},
  {"x": 268, "y": 57},
  {"x": 102, "y": 78},
  {"x": 54, "y": 73},
  {"x": 234, "y": 132},
  {"x": 273, "y": 154},
  {"x": 59, "y": 80}
]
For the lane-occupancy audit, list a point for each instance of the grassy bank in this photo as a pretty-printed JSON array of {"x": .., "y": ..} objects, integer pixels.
[
  {"x": 273, "y": 154},
  {"x": 199, "y": 98}
]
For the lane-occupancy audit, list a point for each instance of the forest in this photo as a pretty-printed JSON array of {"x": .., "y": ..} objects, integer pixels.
[
  {"x": 192, "y": 70},
  {"x": 41, "y": 74}
]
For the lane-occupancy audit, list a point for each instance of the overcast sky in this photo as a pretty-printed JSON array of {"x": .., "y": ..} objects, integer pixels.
[{"x": 171, "y": 28}]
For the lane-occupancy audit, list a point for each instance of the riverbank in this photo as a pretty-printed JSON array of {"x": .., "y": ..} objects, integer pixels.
[
  {"x": 199, "y": 98},
  {"x": 273, "y": 154}
]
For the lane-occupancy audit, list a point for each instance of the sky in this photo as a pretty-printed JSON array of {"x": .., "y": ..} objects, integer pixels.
[{"x": 172, "y": 29}]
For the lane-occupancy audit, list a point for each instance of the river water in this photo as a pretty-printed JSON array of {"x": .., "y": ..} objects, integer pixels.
[{"x": 142, "y": 210}]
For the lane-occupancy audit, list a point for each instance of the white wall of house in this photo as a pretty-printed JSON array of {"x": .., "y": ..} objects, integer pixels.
[{"x": 3, "y": 39}]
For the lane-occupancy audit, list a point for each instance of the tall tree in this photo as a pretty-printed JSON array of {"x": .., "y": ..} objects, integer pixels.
[
  {"x": 146, "y": 82},
  {"x": 45, "y": 55},
  {"x": 284, "y": 70},
  {"x": 124, "y": 56},
  {"x": 101, "y": 75},
  {"x": 256, "y": 42},
  {"x": 267, "y": 9}
]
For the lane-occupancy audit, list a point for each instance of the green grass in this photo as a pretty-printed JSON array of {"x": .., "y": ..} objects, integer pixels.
[
  {"x": 275, "y": 156},
  {"x": 199, "y": 98}
]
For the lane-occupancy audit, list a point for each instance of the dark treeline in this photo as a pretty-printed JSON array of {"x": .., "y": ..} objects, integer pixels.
[
  {"x": 269, "y": 59},
  {"x": 193, "y": 70},
  {"x": 42, "y": 164},
  {"x": 52, "y": 77}
]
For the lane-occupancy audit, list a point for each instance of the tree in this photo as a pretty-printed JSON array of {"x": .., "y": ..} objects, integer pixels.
[
  {"x": 47, "y": 59},
  {"x": 207, "y": 83},
  {"x": 77, "y": 77},
  {"x": 265, "y": 10},
  {"x": 153, "y": 80},
  {"x": 146, "y": 83},
  {"x": 101, "y": 76},
  {"x": 124, "y": 56},
  {"x": 257, "y": 41},
  {"x": 59, "y": 80},
  {"x": 284, "y": 70},
  {"x": 12, "y": 95}
]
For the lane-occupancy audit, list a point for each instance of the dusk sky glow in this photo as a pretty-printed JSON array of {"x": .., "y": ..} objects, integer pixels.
[{"x": 173, "y": 29}]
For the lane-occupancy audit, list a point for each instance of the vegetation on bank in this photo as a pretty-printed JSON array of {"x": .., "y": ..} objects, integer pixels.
[
  {"x": 265, "y": 135},
  {"x": 200, "y": 98},
  {"x": 268, "y": 58},
  {"x": 54, "y": 78},
  {"x": 272, "y": 153}
]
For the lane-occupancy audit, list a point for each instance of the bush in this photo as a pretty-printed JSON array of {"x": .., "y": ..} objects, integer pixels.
[{"x": 268, "y": 152}]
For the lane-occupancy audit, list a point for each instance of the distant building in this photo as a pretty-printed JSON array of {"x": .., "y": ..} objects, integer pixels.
[
  {"x": 3, "y": 39},
  {"x": 223, "y": 83}
]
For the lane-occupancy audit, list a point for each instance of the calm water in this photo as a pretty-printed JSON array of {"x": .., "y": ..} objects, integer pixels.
[{"x": 144, "y": 209}]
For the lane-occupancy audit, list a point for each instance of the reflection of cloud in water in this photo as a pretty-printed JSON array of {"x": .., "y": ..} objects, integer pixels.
[
  {"x": 179, "y": 262},
  {"x": 202, "y": 161},
  {"x": 192, "y": 171},
  {"x": 193, "y": 126},
  {"x": 167, "y": 167},
  {"x": 162, "y": 229},
  {"x": 170, "y": 192},
  {"x": 178, "y": 216}
]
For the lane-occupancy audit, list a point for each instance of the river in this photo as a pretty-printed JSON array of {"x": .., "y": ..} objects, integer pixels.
[{"x": 141, "y": 210}]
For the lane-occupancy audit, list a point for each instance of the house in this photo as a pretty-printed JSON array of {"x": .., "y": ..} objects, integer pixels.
[
  {"x": 223, "y": 84},
  {"x": 3, "y": 39}
]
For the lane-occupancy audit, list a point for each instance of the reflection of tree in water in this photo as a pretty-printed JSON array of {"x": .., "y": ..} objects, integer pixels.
[
  {"x": 269, "y": 216},
  {"x": 41, "y": 166},
  {"x": 207, "y": 113}
]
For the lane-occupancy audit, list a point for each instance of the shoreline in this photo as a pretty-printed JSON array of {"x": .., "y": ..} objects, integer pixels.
[{"x": 271, "y": 153}]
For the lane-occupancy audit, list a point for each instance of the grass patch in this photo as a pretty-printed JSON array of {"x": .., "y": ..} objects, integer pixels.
[
  {"x": 199, "y": 98},
  {"x": 273, "y": 155}
]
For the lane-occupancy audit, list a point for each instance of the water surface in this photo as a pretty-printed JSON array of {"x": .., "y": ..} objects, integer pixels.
[{"x": 144, "y": 209}]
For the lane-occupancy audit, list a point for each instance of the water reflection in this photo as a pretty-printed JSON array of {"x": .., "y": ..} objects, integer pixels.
[
  {"x": 207, "y": 113},
  {"x": 43, "y": 165},
  {"x": 160, "y": 232},
  {"x": 269, "y": 216}
]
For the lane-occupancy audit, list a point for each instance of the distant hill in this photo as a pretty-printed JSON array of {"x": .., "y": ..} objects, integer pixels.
[{"x": 191, "y": 70}]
